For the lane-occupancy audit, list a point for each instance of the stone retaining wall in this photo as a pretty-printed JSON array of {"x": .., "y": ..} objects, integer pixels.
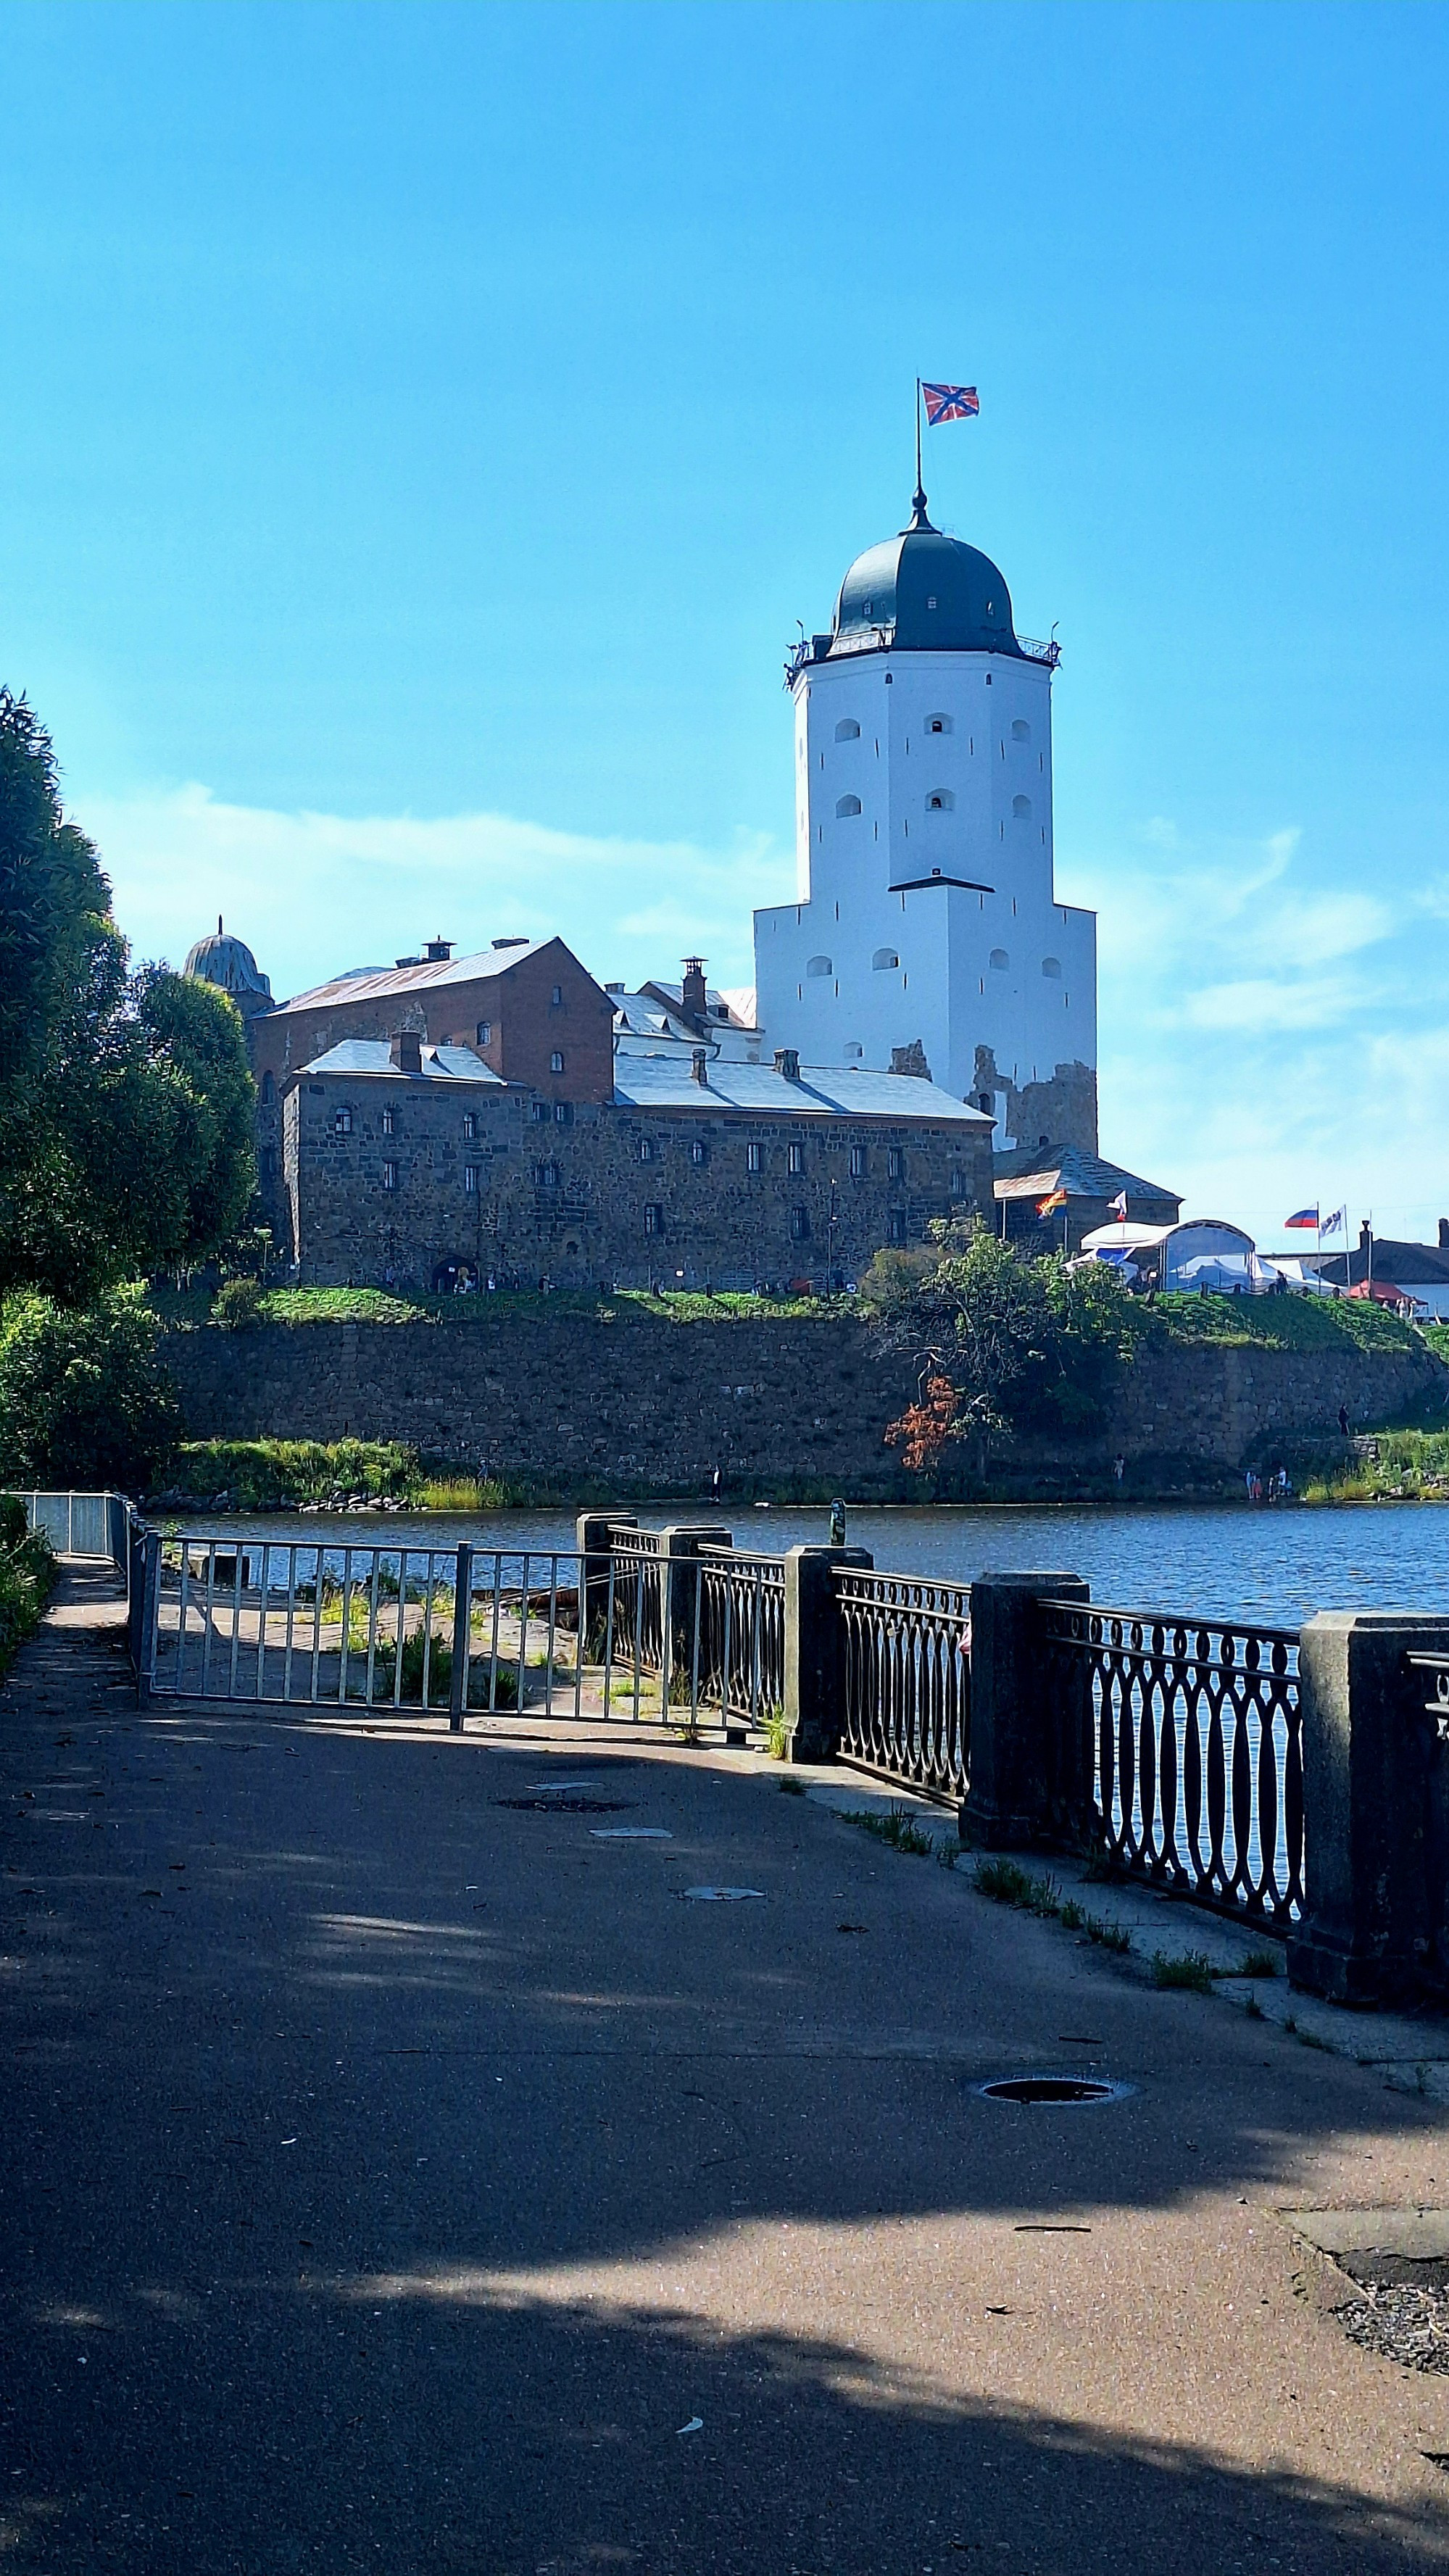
[{"x": 779, "y": 1406}]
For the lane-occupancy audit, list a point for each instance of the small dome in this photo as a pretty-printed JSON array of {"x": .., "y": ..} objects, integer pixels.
[
  {"x": 228, "y": 963},
  {"x": 921, "y": 592}
]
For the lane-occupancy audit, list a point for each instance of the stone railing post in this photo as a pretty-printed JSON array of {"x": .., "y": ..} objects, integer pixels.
[
  {"x": 1375, "y": 1810},
  {"x": 815, "y": 1649},
  {"x": 1031, "y": 1748},
  {"x": 592, "y": 1538},
  {"x": 678, "y": 1549}
]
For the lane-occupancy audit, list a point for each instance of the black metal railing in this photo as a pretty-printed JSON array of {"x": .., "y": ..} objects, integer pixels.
[
  {"x": 739, "y": 1618},
  {"x": 1197, "y": 1750},
  {"x": 906, "y": 1710}
]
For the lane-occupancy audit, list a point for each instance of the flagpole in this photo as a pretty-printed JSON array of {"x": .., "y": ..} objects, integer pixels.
[{"x": 918, "y": 433}]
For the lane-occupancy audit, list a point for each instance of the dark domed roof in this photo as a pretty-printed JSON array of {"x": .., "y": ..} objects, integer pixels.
[
  {"x": 922, "y": 592},
  {"x": 228, "y": 963}
]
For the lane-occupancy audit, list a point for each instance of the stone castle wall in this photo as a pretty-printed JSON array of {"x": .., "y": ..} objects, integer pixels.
[{"x": 645, "y": 1406}]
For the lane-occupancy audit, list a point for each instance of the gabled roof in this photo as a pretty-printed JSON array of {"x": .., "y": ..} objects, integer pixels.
[
  {"x": 1082, "y": 1176},
  {"x": 757, "y": 1090},
  {"x": 1408, "y": 1265},
  {"x": 376, "y": 983},
  {"x": 374, "y": 1056}
]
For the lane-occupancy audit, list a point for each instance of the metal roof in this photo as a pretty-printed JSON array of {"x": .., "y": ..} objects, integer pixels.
[
  {"x": 374, "y": 983},
  {"x": 757, "y": 1090},
  {"x": 374, "y": 1055},
  {"x": 1082, "y": 1176}
]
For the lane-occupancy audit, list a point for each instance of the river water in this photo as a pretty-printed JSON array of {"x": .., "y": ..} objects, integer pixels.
[{"x": 1274, "y": 1565}]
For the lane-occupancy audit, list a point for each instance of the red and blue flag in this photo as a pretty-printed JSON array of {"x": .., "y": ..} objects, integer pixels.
[
  {"x": 1305, "y": 1216},
  {"x": 949, "y": 402}
]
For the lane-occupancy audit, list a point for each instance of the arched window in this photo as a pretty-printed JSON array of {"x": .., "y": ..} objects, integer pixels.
[
  {"x": 939, "y": 724},
  {"x": 556, "y": 1062},
  {"x": 1051, "y": 965},
  {"x": 847, "y": 805},
  {"x": 485, "y": 1033},
  {"x": 1021, "y": 730},
  {"x": 847, "y": 730},
  {"x": 1021, "y": 808},
  {"x": 940, "y": 801},
  {"x": 818, "y": 966},
  {"x": 999, "y": 960},
  {"x": 884, "y": 957}
]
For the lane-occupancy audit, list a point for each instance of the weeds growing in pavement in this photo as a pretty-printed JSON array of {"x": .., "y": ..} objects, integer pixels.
[
  {"x": 790, "y": 1787},
  {"x": 897, "y": 1827},
  {"x": 1193, "y": 1971},
  {"x": 777, "y": 1735},
  {"x": 1007, "y": 1883},
  {"x": 1260, "y": 1963}
]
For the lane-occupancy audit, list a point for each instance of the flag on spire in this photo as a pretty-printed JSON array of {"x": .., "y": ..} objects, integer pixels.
[{"x": 949, "y": 402}]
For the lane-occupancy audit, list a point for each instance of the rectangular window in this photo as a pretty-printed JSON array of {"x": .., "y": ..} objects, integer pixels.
[
  {"x": 857, "y": 1162},
  {"x": 754, "y": 1158},
  {"x": 654, "y": 1220},
  {"x": 389, "y": 1121},
  {"x": 799, "y": 1225},
  {"x": 895, "y": 1163},
  {"x": 646, "y": 1149},
  {"x": 797, "y": 1158},
  {"x": 896, "y": 1225},
  {"x": 563, "y": 1112},
  {"x": 485, "y": 1033},
  {"x": 470, "y": 1126},
  {"x": 541, "y": 1111},
  {"x": 958, "y": 1183},
  {"x": 342, "y": 1122},
  {"x": 470, "y": 1179},
  {"x": 389, "y": 1176},
  {"x": 699, "y": 1151}
]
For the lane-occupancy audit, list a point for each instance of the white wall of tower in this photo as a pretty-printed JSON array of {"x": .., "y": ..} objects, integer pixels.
[{"x": 946, "y": 868}]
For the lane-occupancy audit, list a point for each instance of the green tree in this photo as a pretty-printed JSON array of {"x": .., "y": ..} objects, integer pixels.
[
  {"x": 125, "y": 1099},
  {"x": 84, "y": 1399},
  {"x": 1002, "y": 1342}
]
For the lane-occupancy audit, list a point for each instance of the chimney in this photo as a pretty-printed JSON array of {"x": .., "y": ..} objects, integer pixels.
[
  {"x": 1444, "y": 1233},
  {"x": 407, "y": 1051},
  {"x": 1365, "y": 1235},
  {"x": 699, "y": 1064},
  {"x": 694, "y": 994},
  {"x": 436, "y": 952},
  {"x": 787, "y": 1063}
]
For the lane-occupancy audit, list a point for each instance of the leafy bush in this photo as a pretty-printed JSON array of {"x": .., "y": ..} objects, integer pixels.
[
  {"x": 84, "y": 1399},
  {"x": 27, "y": 1571},
  {"x": 260, "y": 1474},
  {"x": 238, "y": 1305}
]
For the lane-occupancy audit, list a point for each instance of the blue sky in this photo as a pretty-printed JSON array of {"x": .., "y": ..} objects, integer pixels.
[{"x": 424, "y": 425}]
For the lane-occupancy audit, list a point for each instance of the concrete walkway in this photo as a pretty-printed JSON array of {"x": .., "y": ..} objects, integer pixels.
[{"x": 400, "y": 2179}]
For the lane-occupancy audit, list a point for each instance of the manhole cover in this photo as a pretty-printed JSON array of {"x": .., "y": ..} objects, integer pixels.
[
  {"x": 554, "y": 1805},
  {"x": 1051, "y": 2088}
]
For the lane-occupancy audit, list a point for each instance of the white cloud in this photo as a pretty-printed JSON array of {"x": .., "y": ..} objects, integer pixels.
[{"x": 314, "y": 893}]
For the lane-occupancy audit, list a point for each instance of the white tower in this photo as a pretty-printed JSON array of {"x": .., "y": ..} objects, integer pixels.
[{"x": 925, "y": 911}]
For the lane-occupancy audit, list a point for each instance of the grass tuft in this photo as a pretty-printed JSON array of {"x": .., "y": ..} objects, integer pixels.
[
  {"x": 897, "y": 1826},
  {"x": 1192, "y": 1973},
  {"x": 790, "y": 1787},
  {"x": 1260, "y": 1963}
]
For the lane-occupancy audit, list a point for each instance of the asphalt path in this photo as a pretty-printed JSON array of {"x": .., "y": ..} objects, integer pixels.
[{"x": 402, "y": 2178}]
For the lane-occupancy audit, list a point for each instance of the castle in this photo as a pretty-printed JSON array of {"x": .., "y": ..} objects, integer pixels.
[{"x": 923, "y": 1018}]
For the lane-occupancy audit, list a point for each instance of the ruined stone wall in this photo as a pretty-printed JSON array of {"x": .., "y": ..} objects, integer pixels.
[{"x": 643, "y": 1405}]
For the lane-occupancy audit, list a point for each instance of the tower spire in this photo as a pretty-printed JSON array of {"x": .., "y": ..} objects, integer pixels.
[{"x": 918, "y": 497}]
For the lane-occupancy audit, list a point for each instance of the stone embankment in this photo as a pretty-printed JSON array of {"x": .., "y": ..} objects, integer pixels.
[{"x": 780, "y": 1407}]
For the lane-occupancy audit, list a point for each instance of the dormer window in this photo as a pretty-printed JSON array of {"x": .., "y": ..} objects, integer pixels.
[
  {"x": 1021, "y": 730},
  {"x": 883, "y": 959},
  {"x": 1021, "y": 808},
  {"x": 818, "y": 966},
  {"x": 999, "y": 960},
  {"x": 847, "y": 730},
  {"x": 940, "y": 801},
  {"x": 845, "y": 805},
  {"x": 1051, "y": 966},
  {"x": 938, "y": 724}
]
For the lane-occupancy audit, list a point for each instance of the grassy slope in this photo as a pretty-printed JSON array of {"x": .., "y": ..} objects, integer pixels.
[{"x": 183, "y": 1310}]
